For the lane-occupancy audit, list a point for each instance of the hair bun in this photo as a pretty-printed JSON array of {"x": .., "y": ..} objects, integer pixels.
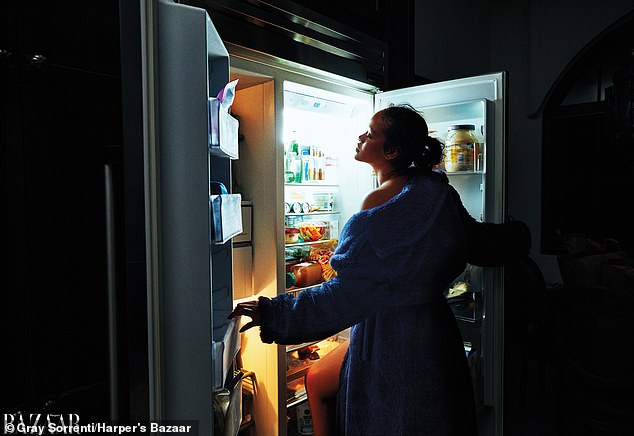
[{"x": 431, "y": 153}]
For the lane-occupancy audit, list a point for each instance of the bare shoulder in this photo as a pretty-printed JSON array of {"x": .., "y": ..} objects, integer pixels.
[
  {"x": 374, "y": 199},
  {"x": 381, "y": 195}
]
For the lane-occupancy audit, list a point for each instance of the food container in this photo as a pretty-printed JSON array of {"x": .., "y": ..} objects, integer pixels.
[
  {"x": 291, "y": 235},
  {"x": 296, "y": 207},
  {"x": 461, "y": 147},
  {"x": 324, "y": 201},
  {"x": 311, "y": 231},
  {"x": 306, "y": 274}
]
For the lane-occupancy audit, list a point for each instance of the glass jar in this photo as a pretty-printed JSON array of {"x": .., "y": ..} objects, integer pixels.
[{"x": 461, "y": 148}]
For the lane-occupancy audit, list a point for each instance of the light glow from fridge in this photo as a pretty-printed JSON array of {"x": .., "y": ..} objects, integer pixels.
[{"x": 326, "y": 124}]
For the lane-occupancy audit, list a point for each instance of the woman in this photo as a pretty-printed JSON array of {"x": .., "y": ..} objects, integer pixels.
[{"x": 405, "y": 370}]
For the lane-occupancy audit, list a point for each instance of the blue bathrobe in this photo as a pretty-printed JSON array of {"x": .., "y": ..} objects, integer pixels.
[{"x": 405, "y": 372}]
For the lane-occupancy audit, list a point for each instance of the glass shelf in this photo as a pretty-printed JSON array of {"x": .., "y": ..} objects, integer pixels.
[
  {"x": 464, "y": 173},
  {"x": 319, "y": 184},
  {"x": 290, "y": 348},
  {"x": 299, "y": 244},
  {"x": 319, "y": 212},
  {"x": 296, "y": 291},
  {"x": 297, "y": 368},
  {"x": 299, "y": 371},
  {"x": 292, "y": 402}
]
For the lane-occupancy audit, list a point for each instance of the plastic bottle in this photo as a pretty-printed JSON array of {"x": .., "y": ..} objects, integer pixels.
[
  {"x": 297, "y": 167},
  {"x": 294, "y": 144},
  {"x": 305, "y": 165},
  {"x": 289, "y": 173}
]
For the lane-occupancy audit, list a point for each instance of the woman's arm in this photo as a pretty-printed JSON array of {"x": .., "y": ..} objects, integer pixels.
[
  {"x": 490, "y": 244},
  {"x": 359, "y": 289},
  {"x": 316, "y": 314}
]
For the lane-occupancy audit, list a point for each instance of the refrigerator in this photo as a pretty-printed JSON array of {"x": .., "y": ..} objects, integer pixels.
[{"x": 297, "y": 128}]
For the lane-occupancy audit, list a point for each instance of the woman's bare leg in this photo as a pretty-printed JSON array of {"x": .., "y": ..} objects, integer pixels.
[{"x": 322, "y": 382}]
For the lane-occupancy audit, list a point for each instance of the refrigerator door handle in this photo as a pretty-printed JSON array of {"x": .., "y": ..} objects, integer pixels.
[{"x": 113, "y": 373}]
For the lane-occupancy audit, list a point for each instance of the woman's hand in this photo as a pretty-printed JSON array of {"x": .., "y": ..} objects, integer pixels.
[{"x": 250, "y": 309}]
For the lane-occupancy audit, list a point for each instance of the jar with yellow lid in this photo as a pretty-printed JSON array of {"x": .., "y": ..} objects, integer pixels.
[{"x": 462, "y": 148}]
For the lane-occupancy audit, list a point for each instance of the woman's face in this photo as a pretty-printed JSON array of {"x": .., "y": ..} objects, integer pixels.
[{"x": 370, "y": 146}]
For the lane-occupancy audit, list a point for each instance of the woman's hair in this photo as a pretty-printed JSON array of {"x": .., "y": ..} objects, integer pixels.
[{"x": 406, "y": 131}]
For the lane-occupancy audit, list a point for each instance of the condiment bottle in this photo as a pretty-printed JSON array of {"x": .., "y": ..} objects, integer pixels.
[{"x": 461, "y": 147}]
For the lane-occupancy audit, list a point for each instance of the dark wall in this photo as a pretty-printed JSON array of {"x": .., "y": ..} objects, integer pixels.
[
  {"x": 59, "y": 124},
  {"x": 533, "y": 41}
]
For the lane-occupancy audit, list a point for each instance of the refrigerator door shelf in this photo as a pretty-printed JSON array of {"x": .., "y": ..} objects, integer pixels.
[
  {"x": 226, "y": 217},
  {"x": 467, "y": 307},
  {"x": 224, "y": 353},
  {"x": 223, "y": 131},
  {"x": 227, "y": 406}
]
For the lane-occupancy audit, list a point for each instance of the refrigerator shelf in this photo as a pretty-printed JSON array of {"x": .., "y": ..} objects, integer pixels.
[
  {"x": 296, "y": 400},
  {"x": 463, "y": 173},
  {"x": 290, "y": 348},
  {"x": 296, "y": 291},
  {"x": 297, "y": 368},
  {"x": 332, "y": 185},
  {"x": 295, "y": 386},
  {"x": 295, "y": 392},
  {"x": 320, "y": 212},
  {"x": 298, "y": 244},
  {"x": 296, "y": 373}
]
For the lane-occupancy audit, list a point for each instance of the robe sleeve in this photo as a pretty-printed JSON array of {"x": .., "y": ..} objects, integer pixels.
[
  {"x": 491, "y": 244},
  {"x": 358, "y": 290}
]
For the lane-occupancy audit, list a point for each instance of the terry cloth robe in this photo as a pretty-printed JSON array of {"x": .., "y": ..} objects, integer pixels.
[{"x": 405, "y": 371}]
